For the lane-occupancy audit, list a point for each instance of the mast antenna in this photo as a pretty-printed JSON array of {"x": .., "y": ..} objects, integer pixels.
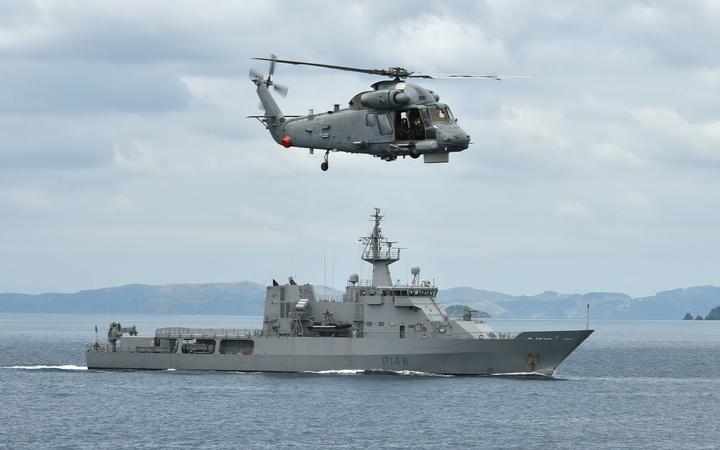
[
  {"x": 587, "y": 317},
  {"x": 379, "y": 251}
]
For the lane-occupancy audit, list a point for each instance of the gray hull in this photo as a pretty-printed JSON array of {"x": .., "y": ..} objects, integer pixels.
[{"x": 538, "y": 352}]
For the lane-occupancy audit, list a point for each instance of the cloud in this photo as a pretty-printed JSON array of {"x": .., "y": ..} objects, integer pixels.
[
  {"x": 80, "y": 88},
  {"x": 124, "y": 143},
  {"x": 42, "y": 142},
  {"x": 573, "y": 209},
  {"x": 439, "y": 43},
  {"x": 678, "y": 140},
  {"x": 23, "y": 200},
  {"x": 134, "y": 31},
  {"x": 610, "y": 152}
]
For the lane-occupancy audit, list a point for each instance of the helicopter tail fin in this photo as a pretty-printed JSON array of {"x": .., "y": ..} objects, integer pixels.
[{"x": 268, "y": 102}]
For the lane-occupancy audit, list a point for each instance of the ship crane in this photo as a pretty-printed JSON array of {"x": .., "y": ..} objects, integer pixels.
[{"x": 116, "y": 331}]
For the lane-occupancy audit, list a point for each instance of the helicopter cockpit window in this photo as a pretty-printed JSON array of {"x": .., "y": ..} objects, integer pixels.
[
  {"x": 385, "y": 125},
  {"x": 409, "y": 125},
  {"x": 450, "y": 114},
  {"x": 370, "y": 119},
  {"x": 430, "y": 131},
  {"x": 440, "y": 114}
]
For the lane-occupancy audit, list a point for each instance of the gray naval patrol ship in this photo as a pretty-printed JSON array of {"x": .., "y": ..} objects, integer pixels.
[{"x": 377, "y": 325}]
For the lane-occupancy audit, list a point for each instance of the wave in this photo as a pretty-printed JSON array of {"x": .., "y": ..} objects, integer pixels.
[
  {"x": 44, "y": 367},
  {"x": 407, "y": 373},
  {"x": 416, "y": 373},
  {"x": 336, "y": 372},
  {"x": 525, "y": 375}
]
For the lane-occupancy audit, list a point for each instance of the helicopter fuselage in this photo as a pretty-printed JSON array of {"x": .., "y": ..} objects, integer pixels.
[{"x": 395, "y": 119}]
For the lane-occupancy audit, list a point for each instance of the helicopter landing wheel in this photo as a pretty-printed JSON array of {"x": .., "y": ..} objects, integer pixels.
[
  {"x": 414, "y": 154},
  {"x": 326, "y": 163}
]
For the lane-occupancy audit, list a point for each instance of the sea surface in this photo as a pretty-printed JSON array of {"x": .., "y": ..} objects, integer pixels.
[{"x": 632, "y": 384}]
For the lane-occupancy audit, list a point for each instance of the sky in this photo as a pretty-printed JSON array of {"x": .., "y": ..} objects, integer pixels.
[{"x": 126, "y": 155}]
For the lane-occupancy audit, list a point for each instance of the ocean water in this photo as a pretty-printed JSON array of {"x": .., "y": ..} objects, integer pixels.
[{"x": 632, "y": 384}]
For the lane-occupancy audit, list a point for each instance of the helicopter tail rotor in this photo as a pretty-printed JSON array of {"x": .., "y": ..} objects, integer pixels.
[
  {"x": 273, "y": 58},
  {"x": 256, "y": 77},
  {"x": 281, "y": 89}
]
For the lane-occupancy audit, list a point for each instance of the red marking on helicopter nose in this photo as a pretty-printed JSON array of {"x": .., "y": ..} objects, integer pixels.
[{"x": 286, "y": 142}]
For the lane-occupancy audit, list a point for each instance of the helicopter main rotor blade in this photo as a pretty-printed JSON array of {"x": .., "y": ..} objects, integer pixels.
[
  {"x": 383, "y": 72},
  {"x": 467, "y": 77},
  {"x": 392, "y": 72}
]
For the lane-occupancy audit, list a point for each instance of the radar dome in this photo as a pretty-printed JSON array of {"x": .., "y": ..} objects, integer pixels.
[
  {"x": 354, "y": 278},
  {"x": 415, "y": 270}
]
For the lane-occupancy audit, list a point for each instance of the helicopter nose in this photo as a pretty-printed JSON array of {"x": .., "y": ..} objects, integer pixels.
[
  {"x": 452, "y": 138},
  {"x": 457, "y": 140}
]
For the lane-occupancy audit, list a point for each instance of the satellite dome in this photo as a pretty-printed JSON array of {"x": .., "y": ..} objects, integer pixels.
[
  {"x": 415, "y": 270},
  {"x": 353, "y": 278}
]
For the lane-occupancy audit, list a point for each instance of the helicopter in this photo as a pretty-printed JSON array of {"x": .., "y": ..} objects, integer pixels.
[{"x": 395, "y": 118}]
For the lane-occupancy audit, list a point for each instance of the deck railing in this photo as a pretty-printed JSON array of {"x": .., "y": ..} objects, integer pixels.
[
  {"x": 367, "y": 282},
  {"x": 198, "y": 333}
]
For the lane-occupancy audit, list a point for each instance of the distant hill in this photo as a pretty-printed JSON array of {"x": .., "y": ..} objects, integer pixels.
[
  {"x": 247, "y": 298},
  {"x": 603, "y": 305},
  {"x": 698, "y": 300},
  {"x": 714, "y": 314},
  {"x": 244, "y": 298}
]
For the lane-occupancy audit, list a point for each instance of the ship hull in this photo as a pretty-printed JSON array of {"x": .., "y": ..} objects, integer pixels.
[{"x": 529, "y": 352}]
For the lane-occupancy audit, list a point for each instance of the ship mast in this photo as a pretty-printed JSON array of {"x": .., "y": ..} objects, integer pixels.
[{"x": 379, "y": 252}]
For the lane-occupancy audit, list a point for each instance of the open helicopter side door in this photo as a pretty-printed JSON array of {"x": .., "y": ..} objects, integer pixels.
[{"x": 414, "y": 124}]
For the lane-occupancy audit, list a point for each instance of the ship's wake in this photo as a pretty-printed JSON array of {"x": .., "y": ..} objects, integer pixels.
[
  {"x": 528, "y": 375},
  {"x": 44, "y": 367},
  {"x": 407, "y": 373}
]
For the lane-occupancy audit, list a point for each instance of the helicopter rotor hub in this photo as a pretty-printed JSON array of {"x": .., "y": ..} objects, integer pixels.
[{"x": 398, "y": 72}]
